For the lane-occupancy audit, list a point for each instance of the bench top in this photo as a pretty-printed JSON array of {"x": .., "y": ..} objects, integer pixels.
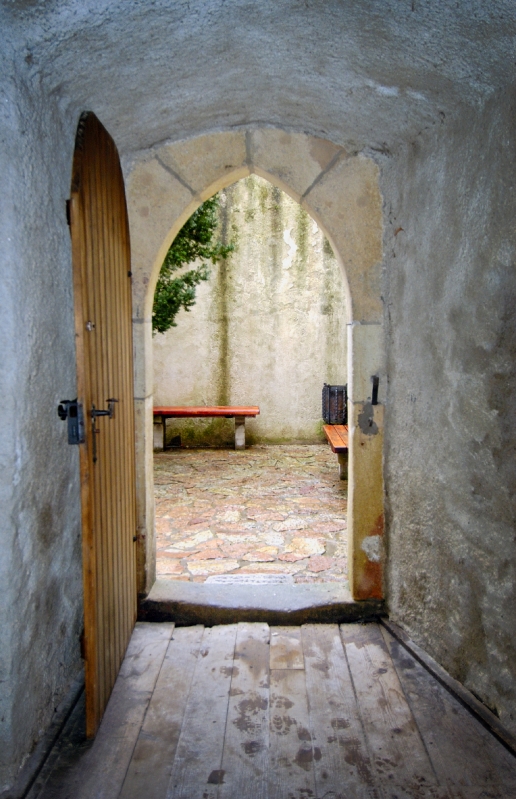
[
  {"x": 337, "y": 435},
  {"x": 206, "y": 410}
]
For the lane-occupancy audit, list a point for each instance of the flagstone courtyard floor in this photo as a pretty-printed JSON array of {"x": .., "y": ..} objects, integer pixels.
[{"x": 267, "y": 510}]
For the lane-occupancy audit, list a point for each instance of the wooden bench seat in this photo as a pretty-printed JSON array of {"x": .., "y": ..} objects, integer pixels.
[
  {"x": 337, "y": 435},
  {"x": 238, "y": 413}
]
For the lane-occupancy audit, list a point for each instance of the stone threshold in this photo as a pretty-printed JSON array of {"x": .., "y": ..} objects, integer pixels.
[{"x": 276, "y": 604}]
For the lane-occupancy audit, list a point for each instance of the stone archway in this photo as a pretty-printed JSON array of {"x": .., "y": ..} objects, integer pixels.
[{"x": 341, "y": 192}]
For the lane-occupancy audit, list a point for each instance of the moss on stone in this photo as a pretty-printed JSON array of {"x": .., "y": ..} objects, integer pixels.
[
  {"x": 327, "y": 248},
  {"x": 303, "y": 221},
  {"x": 202, "y": 432}
]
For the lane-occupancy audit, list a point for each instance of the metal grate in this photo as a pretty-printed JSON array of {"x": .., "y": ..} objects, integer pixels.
[
  {"x": 335, "y": 404},
  {"x": 251, "y": 579}
]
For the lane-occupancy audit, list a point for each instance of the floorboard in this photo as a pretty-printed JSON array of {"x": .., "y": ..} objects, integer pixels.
[
  {"x": 149, "y": 772},
  {"x": 453, "y": 737},
  {"x": 335, "y": 720},
  {"x": 286, "y": 648},
  {"x": 246, "y": 745},
  {"x": 244, "y": 711},
  {"x": 389, "y": 725},
  {"x": 100, "y": 772},
  {"x": 291, "y": 754},
  {"x": 197, "y": 768}
]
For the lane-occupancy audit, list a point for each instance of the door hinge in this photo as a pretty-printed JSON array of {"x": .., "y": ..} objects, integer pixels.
[{"x": 68, "y": 213}]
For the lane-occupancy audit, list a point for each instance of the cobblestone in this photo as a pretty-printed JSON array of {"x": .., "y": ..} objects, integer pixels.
[{"x": 267, "y": 510}]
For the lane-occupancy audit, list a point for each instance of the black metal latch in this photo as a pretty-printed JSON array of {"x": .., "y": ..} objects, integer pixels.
[
  {"x": 110, "y": 413},
  {"x": 72, "y": 411}
]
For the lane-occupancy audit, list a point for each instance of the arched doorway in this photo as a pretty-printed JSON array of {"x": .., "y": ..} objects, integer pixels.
[
  {"x": 268, "y": 328},
  {"x": 341, "y": 193}
]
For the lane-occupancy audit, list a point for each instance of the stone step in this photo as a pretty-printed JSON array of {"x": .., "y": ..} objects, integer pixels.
[{"x": 280, "y": 603}]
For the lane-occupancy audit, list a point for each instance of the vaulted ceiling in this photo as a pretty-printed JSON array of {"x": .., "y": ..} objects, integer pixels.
[{"x": 365, "y": 73}]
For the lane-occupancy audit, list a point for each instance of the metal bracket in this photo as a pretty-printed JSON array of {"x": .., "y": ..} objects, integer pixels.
[
  {"x": 72, "y": 411},
  {"x": 376, "y": 382}
]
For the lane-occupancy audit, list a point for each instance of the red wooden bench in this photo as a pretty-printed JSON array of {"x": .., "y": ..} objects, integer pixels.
[
  {"x": 337, "y": 435},
  {"x": 162, "y": 413}
]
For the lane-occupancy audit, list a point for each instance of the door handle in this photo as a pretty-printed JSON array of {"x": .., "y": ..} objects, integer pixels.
[{"x": 110, "y": 413}]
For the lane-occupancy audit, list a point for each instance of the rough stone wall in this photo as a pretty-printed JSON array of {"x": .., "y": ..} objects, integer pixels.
[
  {"x": 40, "y": 563},
  {"x": 268, "y": 328},
  {"x": 450, "y": 470}
]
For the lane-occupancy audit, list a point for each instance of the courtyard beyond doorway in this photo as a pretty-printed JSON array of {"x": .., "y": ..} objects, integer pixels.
[{"x": 276, "y": 512}]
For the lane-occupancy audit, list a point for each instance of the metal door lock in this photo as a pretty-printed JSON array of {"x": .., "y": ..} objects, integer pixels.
[{"x": 72, "y": 411}]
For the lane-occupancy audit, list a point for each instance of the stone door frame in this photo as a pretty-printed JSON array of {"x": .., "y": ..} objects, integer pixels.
[{"x": 341, "y": 192}]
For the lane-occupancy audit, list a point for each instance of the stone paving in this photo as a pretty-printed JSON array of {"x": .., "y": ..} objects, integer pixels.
[{"x": 265, "y": 510}]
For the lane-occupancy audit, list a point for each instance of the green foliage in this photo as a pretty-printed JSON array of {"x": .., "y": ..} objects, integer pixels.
[{"x": 195, "y": 241}]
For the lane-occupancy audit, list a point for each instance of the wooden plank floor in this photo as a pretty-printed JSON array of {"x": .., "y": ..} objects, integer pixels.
[{"x": 245, "y": 711}]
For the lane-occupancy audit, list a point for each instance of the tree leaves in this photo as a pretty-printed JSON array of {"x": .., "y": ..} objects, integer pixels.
[{"x": 195, "y": 241}]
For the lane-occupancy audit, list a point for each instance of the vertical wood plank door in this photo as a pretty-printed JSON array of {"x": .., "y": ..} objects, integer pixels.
[{"x": 103, "y": 329}]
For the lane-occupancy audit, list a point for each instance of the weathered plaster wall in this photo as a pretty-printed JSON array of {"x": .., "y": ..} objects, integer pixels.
[
  {"x": 450, "y": 469},
  {"x": 40, "y": 563},
  {"x": 268, "y": 329}
]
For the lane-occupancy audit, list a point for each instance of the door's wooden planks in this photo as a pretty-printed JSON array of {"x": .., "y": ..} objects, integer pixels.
[
  {"x": 344, "y": 767},
  {"x": 125, "y": 484},
  {"x": 113, "y": 345},
  {"x": 291, "y": 753},
  {"x": 246, "y": 745},
  {"x": 101, "y": 772},
  {"x": 107, "y": 476},
  {"x": 117, "y": 390},
  {"x": 127, "y": 411},
  {"x": 101, "y": 257},
  {"x": 116, "y": 358},
  {"x": 286, "y": 648},
  {"x": 389, "y": 725},
  {"x": 89, "y": 541},
  {"x": 197, "y": 769},
  {"x": 149, "y": 772},
  {"x": 107, "y": 521},
  {"x": 453, "y": 737}
]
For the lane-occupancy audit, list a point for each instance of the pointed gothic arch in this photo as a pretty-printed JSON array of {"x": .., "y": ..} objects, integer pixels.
[{"x": 341, "y": 192}]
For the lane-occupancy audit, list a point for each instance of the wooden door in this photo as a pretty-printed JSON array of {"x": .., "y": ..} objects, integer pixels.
[{"x": 103, "y": 328}]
